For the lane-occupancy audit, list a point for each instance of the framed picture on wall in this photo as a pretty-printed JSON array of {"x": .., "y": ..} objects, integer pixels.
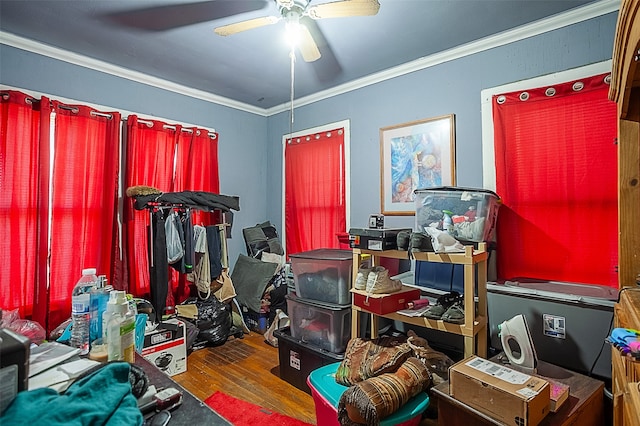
[{"x": 418, "y": 154}]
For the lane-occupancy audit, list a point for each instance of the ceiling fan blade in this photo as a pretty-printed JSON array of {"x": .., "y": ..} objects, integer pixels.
[
  {"x": 308, "y": 47},
  {"x": 327, "y": 68},
  {"x": 345, "y": 8},
  {"x": 161, "y": 18},
  {"x": 250, "y": 24}
]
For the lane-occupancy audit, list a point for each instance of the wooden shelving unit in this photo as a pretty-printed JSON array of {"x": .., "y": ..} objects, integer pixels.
[
  {"x": 474, "y": 329},
  {"x": 625, "y": 369},
  {"x": 625, "y": 91}
]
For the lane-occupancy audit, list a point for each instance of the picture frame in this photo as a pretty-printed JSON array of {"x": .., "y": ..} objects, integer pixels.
[{"x": 415, "y": 155}]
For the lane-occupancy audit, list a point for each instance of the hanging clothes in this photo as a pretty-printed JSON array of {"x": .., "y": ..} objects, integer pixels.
[
  {"x": 189, "y": 252},
  {"x": 215, "y": 251},
  {"x": 159, "y": 270},
  {"x": 201, "y": 275}
]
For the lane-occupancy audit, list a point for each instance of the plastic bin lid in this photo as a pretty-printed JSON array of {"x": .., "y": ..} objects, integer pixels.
[
  {"x": 317, "y": 304},
  {"x": 324, "y": 254},
  {"x": 323, "y": 380},
  {"x": 456, "y": 189},
  {"x": 284, "y": 334}
]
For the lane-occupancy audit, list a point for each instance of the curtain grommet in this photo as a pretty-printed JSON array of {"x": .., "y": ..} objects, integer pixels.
[
  {"x": 607, "y": 79},
  {"x": 501, "y": 99},
  {"x": 577, "y": 86},
  {"x": 550, "y": 91},
  {"x": 524, "y": 96}
]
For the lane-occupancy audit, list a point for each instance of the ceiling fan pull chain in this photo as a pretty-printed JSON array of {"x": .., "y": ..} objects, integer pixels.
[{"x": 292, "y": 55}]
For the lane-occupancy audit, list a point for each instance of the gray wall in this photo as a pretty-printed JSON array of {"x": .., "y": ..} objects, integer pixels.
[
  {"x": 251, "y": 145},
  {"x": 242, "y": 145},
  {"x": 449, "y": 88}
]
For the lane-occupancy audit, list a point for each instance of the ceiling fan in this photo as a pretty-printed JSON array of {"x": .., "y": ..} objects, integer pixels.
[{"x": 293, "y": 12}]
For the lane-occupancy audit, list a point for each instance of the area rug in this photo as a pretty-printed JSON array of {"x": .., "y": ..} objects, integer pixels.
[{"x": 242, "y": 413}]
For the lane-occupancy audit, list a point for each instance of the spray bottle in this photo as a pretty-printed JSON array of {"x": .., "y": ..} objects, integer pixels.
[{"x": 447, "y": 222}]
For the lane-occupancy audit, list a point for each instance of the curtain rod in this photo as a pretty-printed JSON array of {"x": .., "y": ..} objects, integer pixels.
[{"x": 30, "y": 100}]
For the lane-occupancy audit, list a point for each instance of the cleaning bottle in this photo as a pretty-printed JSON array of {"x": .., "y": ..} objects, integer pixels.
[
  {"x": 447, "y": 221},
  {"x": 120, "y": 329},
  {"x": 81, "y": 310},
  {"x": 99, "y": 297}
]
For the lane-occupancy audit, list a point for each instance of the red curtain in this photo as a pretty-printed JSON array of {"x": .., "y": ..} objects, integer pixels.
[
  {"x": 315, "y": 200},
  {"x": 197, "y": 167},
  {"x": 84, "y": 200},
  {"x": 196, "y": 170},
  {"x": 83, "y": 189},
  {"x": 556, "y": 172},
  {"x": 24, "y": 182},
  {"x": 150, "y": 150}
]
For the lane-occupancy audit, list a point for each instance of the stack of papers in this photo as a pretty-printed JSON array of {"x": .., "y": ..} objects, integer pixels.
[{"x": 55, "y": 365}]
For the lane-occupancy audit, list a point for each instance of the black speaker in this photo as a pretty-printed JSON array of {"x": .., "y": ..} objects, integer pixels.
[{"x": 14, "y": 365}]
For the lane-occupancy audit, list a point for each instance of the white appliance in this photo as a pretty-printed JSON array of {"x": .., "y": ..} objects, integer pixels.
[{"x": 518, "y": 345}]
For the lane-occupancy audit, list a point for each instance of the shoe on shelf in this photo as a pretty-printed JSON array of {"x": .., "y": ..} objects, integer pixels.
[
  {"x": 420, "y": 242},
  {"x": 379, "y": 282},
  {"x": 441, "y": 306},
  {"x": 361, "y": 279},
  {"x": 402, "y": 240},
  {"x": 455, "y": 313}
]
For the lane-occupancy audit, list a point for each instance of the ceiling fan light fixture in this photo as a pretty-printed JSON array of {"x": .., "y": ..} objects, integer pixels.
[
  {"x": 285, "y": 3},
  {"x": 293, "y": 30}
]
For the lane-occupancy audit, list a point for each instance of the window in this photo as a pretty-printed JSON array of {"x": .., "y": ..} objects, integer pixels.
[
  {"x": 315, "y": 187},
  {"x": 555, "y": 168}
]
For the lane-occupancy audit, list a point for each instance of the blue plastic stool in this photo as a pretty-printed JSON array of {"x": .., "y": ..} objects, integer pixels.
[{"x": 326, "y": 394}]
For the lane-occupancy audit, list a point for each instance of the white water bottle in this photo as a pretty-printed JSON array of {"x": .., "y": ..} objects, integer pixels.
[{"x": 80, "y": 310}]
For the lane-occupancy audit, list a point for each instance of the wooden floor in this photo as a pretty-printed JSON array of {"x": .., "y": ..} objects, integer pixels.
[{"x": 248, "y": 369}]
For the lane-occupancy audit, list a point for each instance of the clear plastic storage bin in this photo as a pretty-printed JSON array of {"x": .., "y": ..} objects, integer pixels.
[
  {"x": 325, "y": 326},
  {"x": 323, "y": 275},
  {"x": 466, "y": 213}
]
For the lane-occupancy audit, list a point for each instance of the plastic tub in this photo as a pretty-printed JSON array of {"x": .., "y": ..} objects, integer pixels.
[
  {"x": 466, "y": 213},
  {"x": 323, "y": 325},
  {"x": 323, "y": 275},
  {"x": 326, "y": 394}
]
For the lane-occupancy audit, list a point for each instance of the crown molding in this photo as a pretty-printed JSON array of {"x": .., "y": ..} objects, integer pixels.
[
  {"x": 105, "y": 67},
  {"x": 555, "y": 22},
  {"x": 584, "y": 13}
]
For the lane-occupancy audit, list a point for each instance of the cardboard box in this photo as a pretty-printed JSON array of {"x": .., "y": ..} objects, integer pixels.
[
  {"x": 385, "y": 303},
  {"x": 507, "y": 395},
  {"x": 166, "y": 347}
]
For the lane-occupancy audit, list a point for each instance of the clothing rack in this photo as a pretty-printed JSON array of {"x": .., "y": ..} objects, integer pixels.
[
  {"x": 156, "y": 202},
  {"x": 154, "y": 206}
]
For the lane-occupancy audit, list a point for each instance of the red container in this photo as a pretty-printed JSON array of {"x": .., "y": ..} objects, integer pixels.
[
  {"x": 343, "y": 240},
  {"x": 385, "y": 303}
]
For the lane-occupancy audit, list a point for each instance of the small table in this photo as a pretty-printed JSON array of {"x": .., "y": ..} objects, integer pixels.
[
  {"x": 584, "y": 407},
  {"x": 192, "y": 411}
]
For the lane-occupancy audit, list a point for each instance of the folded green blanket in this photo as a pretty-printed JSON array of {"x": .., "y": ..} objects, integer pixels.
[{"x": 101, "y": 398}]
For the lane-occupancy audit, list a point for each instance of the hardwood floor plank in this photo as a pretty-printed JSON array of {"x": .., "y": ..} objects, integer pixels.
[{"x": 247, "y": 369}]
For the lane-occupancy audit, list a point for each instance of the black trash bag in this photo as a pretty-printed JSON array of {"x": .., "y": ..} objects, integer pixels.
[{"x": 214, "y": 320}]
